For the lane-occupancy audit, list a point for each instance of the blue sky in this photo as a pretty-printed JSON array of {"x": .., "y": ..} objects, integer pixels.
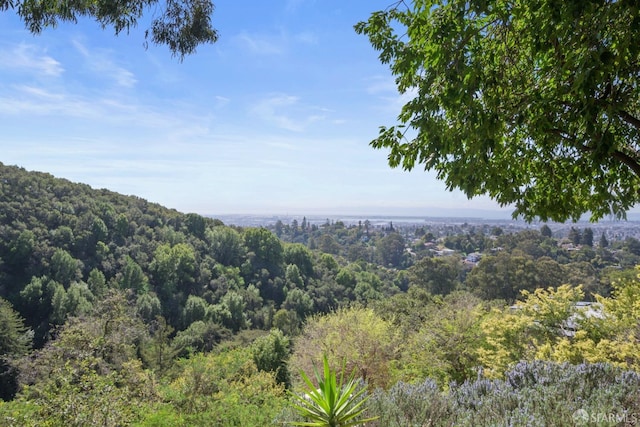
[{"x": 275, "y": 118}]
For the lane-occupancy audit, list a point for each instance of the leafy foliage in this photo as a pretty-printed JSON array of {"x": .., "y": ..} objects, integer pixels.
[
  {"x": 65, "y": 245},
  {"x": 533, "y": 103},
  {"x": 181, "y": 25},
  {"x": 548, "y": 324},
  {"x": 133, "y": 304},
  {"x": 439, "y": 276},
  {"x": 333, "y": 403},
  {"x": 357, "y": 337},
  {"x": 224, "y": 389},
  {"x": 270, "y": 353},
  {"x": 15, "y": 341},
  {"x": 532, "y": 393},
  {"x": 90, "y": 373},
  {"x": 505, "y": 275},
  {"x": 444, "y": 346},
  {"x": 406, "y": 404}
]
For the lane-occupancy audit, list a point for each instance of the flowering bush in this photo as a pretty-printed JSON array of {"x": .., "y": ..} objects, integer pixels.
[{"x": 532, "y": 393}]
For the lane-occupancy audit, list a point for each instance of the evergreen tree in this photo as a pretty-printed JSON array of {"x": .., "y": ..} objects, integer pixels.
[
  {"x": 15, "y": 341},
  {"x": 587, "y": 237},
  {"x": 603, "y": 241},
  {"x": 575, "y": 236}
]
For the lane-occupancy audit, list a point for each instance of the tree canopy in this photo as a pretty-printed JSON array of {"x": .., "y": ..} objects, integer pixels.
[
  {"x": 533, "y": 103},
  {"x": 181, "y": 25}
]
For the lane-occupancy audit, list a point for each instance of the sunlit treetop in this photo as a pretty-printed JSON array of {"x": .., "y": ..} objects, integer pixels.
[
  {"x": 181, "y": 25},
  {"x": 534, "y": 103}
]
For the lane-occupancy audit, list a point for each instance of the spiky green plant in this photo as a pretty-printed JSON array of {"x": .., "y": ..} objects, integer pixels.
[{"x": 333, "y": 403}]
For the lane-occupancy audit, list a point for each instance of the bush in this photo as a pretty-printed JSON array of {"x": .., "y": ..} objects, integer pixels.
[
  {"x": 532, "y": 393},
  {"x": 410, "y": 405}
]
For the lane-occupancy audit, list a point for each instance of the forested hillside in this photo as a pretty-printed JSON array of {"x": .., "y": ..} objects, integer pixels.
[
  {"x": 64, "y": 245},
  {"x": 117, "y": 311}
]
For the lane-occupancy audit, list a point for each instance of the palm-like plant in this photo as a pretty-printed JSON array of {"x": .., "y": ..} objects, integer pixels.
[{"x": 333, "y": 403}]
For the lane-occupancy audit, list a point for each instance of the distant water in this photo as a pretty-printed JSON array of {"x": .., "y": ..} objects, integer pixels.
[{"x": 256, "y": 220}]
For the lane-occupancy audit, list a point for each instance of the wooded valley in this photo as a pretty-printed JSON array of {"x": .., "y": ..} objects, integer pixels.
[{"x": 116, "y": 311}]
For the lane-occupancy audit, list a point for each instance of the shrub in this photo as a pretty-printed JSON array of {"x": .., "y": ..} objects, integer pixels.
[{"x": 532, "y": 393}]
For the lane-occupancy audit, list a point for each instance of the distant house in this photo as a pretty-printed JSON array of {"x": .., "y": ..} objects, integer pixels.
[
  {"x": 570, "y": 247},
  {"x": 430, "y": 245},
  {"x": 582, "y": 310},
  {"x": 473, "y": 257},
  {"x": 443, "y": 252}
]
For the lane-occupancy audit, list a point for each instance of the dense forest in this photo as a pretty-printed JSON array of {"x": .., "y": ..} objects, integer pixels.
[{"x": 116, "y": 311}]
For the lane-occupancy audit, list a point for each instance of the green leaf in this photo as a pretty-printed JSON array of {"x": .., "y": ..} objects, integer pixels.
[{"x": 332, "y": 403}]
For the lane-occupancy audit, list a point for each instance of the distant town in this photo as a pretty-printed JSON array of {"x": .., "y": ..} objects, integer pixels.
[{"x": 612, "y": 229}]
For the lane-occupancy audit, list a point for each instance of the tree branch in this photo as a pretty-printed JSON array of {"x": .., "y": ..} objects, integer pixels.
[
  {"x": 628, "y": 160},
  {"x": 624, "y": 158},
  {"x": 633, "y": 121}
]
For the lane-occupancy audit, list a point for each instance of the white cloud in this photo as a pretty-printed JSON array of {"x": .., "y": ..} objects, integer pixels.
[
  {"x": 385, "y": 89},
  {"x": 270, "y": 110},
  {"x": 38, "y": 92},
  {"x": 286, "y": 112},
  {"x": 124, "y": 77},
  {"x": 29, "y": 58},
  {"x": 306, "y": 38},
  {"x": 99, "y": 62},
  {"x": 261, "y": 44},
  {"x": 27, "y": 101},
  {"x": 31, "y": 100},
  {"x": 274, "y": 44},
  {"x": 380, "y": 84},
  {"x": 221, "y": 101}
]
